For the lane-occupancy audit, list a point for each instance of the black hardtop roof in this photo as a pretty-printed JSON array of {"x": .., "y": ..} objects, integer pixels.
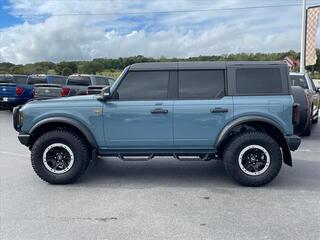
[{"x": 197, "y": 65}]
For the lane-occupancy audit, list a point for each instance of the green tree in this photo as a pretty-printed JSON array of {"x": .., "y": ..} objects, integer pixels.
[{"x": 66, "y": 71}]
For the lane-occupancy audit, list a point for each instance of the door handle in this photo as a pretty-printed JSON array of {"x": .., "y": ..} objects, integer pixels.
[
  {"x": 159, "y": 110},
  {"x": 219, "y": 110}
]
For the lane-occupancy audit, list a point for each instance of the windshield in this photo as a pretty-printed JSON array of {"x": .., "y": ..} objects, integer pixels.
[
  {"x": 300, "y": 81},
  {"x": 36, "y": 80},
  {"x": 114, "y": 85},
  {"x": 79, "y": 80},
  {"x": 6, "y": 79}
]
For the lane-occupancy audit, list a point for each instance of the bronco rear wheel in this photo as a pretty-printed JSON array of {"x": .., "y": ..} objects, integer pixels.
[
  {"x": 253, "y": 158},
  {"x": 59, "y": 157}
]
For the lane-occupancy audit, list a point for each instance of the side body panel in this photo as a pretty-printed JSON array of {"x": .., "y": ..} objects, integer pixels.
[
  {"x": 85, "y": 110},
  {"x": 276, "y": 108},
  {"x": 197, "y": 125},
  {"x": 131, "y": 124}
]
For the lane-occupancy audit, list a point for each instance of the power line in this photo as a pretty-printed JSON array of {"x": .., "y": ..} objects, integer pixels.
[{"x": 161, "y": 12}]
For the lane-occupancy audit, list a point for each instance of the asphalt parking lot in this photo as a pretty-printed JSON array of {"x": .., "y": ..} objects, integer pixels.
[{"x": 159, "y": 199}]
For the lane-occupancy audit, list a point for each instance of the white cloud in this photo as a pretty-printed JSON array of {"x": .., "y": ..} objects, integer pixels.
[{"x": 57, "y": 38}]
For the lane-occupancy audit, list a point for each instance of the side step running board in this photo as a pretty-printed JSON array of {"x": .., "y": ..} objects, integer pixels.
[
  {"x": 205, "y": 157},
  {"x": 135, "y": 158}
]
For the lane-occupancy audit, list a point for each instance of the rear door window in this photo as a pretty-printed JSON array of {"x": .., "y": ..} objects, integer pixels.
[
  {"x": 201, "y": 84},
  {"x": 79, "y": 80},
  {"x": 258, "y": 81}
]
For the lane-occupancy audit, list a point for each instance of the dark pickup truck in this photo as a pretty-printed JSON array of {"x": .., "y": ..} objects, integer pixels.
[
  {"x": 84, "y": 84},
  {"x": 49, "y": 86}
]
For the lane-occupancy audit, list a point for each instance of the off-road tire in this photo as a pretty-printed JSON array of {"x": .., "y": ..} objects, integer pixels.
[
  {"x": 307, "y": 131},
  {"x": 74, "y": 142},
  {"x": 240, "y": 142}
]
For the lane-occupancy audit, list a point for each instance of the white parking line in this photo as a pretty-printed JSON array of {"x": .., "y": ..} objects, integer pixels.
[
  {"x": 14, "y": 154},
  {"x": 307, "y": 150}
]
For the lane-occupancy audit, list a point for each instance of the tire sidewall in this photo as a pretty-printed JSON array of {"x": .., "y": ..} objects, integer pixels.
[
  {"x": 270, "y": 149},
  {"x": 39, "y": 148},
  {"x": 232, "y": 159}
]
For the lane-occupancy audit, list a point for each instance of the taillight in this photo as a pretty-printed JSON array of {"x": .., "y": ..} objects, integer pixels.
[
  {"x": 64, "y": 92},
  {"x": 19, "y": 90},
  {"x": 296, "y": 113}
]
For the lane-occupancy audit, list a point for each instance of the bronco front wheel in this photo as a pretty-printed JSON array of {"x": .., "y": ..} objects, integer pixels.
[
  {"x": 253, "y": 158},
  {"x": 59, "y": 156}
]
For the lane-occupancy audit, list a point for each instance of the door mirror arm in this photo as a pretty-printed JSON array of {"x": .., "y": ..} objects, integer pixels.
[{"x": 105, "y": 94}]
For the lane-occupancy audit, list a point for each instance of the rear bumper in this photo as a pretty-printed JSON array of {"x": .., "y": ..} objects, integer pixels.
[
  {"x": 15, "y": 101},
  {"x": 293, "y": 142},
  {"x": 24, "y": 139}
]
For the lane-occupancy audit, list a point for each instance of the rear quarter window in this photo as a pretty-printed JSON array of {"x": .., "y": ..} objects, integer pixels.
[{"x": 258, "y": 81}]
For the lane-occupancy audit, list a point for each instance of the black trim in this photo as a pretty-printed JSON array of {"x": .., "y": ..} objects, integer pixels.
[
  {"x": 173, "y": 86},
  {"x": 293, "y": 142},
  {"x": 15, "y": 118},
  {"x": 24, "y": 139},
  {"x": 155, "y": 152},
  {"x": 81, "y": 127},
  {"x": 241, "y": 120}
]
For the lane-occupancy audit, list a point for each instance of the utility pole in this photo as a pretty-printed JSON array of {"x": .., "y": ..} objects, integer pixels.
[{"x": 303, "y": 37}]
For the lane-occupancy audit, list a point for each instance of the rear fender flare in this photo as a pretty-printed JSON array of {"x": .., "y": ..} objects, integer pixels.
[{"x": 281, "y": 140}]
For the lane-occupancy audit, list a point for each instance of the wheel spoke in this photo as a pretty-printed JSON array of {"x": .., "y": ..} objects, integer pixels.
[
  {"x": 58, "y": 158},
  {"x": 254, "y": 160}
]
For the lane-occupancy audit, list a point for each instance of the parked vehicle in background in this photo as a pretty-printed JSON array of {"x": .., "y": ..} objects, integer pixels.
[
  {"x": 78, "y": 84},
  {"x": 14, "y": 90},
  {"x": 50, "y": 86},
  {"x": 189, "y": 110},
  {"x": 100, "y": 82},
  {"x": 304, "y": 81}
]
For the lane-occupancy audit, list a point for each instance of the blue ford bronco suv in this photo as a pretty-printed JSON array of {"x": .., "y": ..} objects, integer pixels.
[{"x": 240, "y": 112}]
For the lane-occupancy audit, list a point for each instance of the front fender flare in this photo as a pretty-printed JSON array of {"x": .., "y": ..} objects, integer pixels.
[{"x": 80, "y": 126}]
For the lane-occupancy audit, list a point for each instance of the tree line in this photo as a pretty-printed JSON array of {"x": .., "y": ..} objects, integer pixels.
[{"x": 109, "y": 64}]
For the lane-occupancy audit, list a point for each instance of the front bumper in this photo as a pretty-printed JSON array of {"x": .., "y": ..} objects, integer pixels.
[
  {"x": 293, "y": 142},
  {"x": 24, "y": 139}
]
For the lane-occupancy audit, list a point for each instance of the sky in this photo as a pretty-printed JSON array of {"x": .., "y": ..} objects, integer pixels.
[{"x": 66, "y": 30}]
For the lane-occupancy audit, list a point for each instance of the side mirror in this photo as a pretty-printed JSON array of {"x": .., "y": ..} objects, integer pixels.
[
  {"x": 105, "y": 94},
  {"x": 318, "y": 89}
]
